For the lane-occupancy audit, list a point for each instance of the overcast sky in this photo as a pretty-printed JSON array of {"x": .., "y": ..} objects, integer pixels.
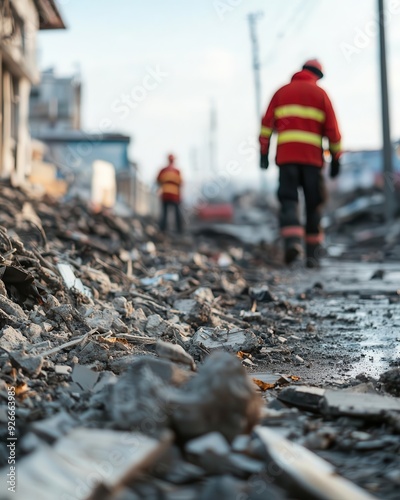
[{"x": 168, "y": 58}]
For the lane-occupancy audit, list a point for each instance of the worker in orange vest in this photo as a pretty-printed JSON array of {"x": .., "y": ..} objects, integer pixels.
[
  {"x": 302, "y": 115},
  {"x": 170, "y": 181}
]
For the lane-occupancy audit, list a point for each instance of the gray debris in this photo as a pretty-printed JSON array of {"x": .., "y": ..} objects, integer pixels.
[
  {"x": 123, "y": 306},
  {"x": 13, "y": 309},
  {"x": 232, "y": 340},
  {"x": 31, "y": 365},
  {"x": 156, "y": 326},
  {"x": 84, "y": 377},
  {"x": 358, "y": 405},
  {"x": 101, "y": 320},
  {"x": 71, "y": 280},
  {"x": 204, "y": 294},
  {"x": 11, "y": 339},
  {"x": 174, "y": 352},
  {"x": 391, "y": 381},
  {"x": 194, "y": 312},
  {"x": 337, "y": 403},
  {"x": 310, "y": 475},
  {"x": 213, "y": 442},
  {"x": 261, "y": 294}
]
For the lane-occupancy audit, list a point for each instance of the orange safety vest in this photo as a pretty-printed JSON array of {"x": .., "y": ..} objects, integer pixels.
[
  {"x": 301, "y": 114},
  {"x": 170, "y": 181}
]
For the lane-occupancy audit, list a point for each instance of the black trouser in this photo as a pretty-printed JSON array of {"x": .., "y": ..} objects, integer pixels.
[
  {"x": 310, "y": 179},
  {"x": 166, "y": 205}
]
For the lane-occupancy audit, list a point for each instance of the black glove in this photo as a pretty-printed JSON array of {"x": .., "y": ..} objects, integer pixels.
[
  {"x": 264, "y": 163},
  {"x": 335, "y": 168}
]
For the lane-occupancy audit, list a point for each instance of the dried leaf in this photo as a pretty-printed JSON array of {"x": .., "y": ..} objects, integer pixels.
[
  {"x": 112, "y": 340},
  {"x": 264, "y": 386},
  {"x": 295, "y": 378},
  {"x": 21, "y": 388},
  {"x": 243, "y": 355}
]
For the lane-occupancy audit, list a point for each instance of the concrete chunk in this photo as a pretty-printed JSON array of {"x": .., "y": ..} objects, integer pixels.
[
  {"x": 307, "y": 398},
  {"x": 372, "y": 406},
  {"x": 232, "y": 340},
  {"x": 12, "y": 339},
  {"x": 85, "y": 377},
  {"x": 311, "y": 476},
  {"x": 31, "y": 365},
  {"x": 213, "y": 442}
]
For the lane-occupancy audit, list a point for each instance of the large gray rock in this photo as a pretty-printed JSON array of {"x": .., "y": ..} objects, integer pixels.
[
  {"x": 11, "y": 339},
  {"x": 12, "y": 309},
  {"x": 31, "y": 365}
]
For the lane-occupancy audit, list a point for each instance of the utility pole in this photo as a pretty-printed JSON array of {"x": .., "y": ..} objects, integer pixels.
[
  {"x": 253, "y": 18},
  {"x": 213, "y": 138},
  {"x": 387, "y": 141}
]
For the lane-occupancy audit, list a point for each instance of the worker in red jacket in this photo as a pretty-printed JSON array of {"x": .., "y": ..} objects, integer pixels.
[
  {"x": 170, "y": 181},
  {"x": 301, "y": 114}
]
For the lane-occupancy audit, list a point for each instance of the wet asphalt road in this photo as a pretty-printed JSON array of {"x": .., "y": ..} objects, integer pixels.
[{"x": 349, "y": 323}]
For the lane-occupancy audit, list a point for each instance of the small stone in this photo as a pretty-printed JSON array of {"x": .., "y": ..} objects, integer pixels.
[
  {"x": 63, "y": 370},
  {"x": 156, "y": 326},
  {"x": 214, "y": 442}
]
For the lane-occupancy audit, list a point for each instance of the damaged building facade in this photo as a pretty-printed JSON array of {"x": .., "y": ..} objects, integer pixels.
[{"x": 20, "y": 22}]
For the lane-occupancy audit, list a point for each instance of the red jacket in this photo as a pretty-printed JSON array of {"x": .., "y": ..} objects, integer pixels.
[
  {"x": 301, "y": 114},
  {"x": 170, "y": 181}
]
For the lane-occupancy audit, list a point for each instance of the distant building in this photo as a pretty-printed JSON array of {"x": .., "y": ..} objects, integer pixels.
[
  {"x": 364, "y": 170},
  {"x": 55, "y": 104},
  {"x": 74, "y": 151},
  {"x": 20, "y": 21}
]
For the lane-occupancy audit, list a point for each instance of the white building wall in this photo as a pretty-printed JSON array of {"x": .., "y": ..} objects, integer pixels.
[{"x": 19, "y": 71}]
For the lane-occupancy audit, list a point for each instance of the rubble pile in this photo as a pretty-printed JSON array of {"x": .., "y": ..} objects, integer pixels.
[{"x": 128, "y": 358}]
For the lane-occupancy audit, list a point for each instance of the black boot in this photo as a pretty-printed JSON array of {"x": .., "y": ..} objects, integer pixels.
[
  {"x": 293, "y": 250},
  {"x": 313, "y": 255}
]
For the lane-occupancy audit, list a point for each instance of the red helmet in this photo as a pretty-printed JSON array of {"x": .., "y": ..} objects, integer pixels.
[
  {"x": 171, "y": 158},
  {"x": 315, "y": 67}
]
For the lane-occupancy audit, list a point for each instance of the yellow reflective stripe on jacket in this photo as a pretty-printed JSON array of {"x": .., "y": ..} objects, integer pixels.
[
  {"x": 170, "y": 177},
  {"x": 336, "y": 147},
  {"x": 300, "y": 136},
  {"x": 266, "y": 132},
  {"x": 296, "y": 111},
  {"x": 170, "y": 189}
]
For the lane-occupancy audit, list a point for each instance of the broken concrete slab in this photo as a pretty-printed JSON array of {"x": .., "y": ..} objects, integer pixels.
[
  {"x": 311, "y": 476},
  {"x": 339, "y": 402},
  {"x": 62, "y": 370},
  {"x": 84, "y": 377},
  {"x": 51, "y": 429},
  {"x": 233, "y": 340},
  {"x": 31, "y": 365},
  {"x": 101, "y": 320},
  {"x": 81, "y": 461},
  {"x": 71, "y": 281},
  {"x": 305, "y": 397},
  {"x": 156, "y": 326},
  {"x": 11, "y": 339},
  {"x": 13, "y": 309},
  {"x": 197, "y": 313},
  {"x": 366, "y": 406}
]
